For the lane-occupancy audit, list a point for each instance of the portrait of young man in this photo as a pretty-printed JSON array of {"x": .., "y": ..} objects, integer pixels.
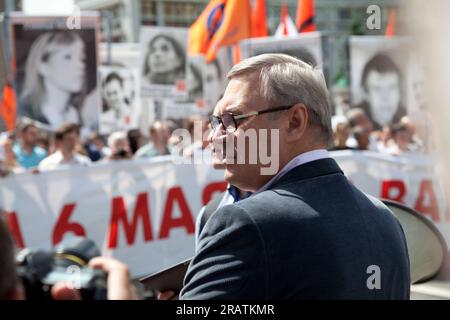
[
  {"x": 381, "y": 82},
  {"x": 120, "y": 98}
]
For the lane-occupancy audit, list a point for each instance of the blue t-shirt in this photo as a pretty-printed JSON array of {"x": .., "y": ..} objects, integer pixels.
[{"x": 29, "y": 160}]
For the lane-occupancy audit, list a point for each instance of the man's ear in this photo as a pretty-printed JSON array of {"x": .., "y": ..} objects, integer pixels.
[{"x": 297, "y": 122}]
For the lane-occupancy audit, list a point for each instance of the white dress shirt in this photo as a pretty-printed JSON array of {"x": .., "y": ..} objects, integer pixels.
[{"x": 56, "y": 160}]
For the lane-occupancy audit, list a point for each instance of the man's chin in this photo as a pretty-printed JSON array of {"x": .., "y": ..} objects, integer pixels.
[
  {"x": 233, "y": 171},
  {"x": 229, "y": 177}
]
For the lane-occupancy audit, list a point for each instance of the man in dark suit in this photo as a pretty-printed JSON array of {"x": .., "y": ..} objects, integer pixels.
[{"x": 305, "y": 232}]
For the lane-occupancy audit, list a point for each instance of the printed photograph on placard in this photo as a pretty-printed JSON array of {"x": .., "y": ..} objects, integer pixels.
[
  {"x": 120, "y": 91},
  {"x": 56, "y": 70},
  {"x": 163, "y": 62},
  {"x": 378, "y": 71}
]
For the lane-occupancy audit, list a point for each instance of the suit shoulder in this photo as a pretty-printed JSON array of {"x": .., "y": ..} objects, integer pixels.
[
  {"x": 230, "y": 217},
  {"x": 379, "y": 206}
]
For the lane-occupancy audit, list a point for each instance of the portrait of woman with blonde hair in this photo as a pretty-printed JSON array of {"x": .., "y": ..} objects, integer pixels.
[{"x": 54, "y": 81}]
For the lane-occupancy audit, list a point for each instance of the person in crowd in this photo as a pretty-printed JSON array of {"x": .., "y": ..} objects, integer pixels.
[
  {"x": 28, "y": 153},
  {"x": 362, "y": 137},
  {"x": 158, "y": 146},
  {"x": 165, "y": 61},
  {"x": 10, "y": 286},
  {"x": 8, "y": 160},
  {"x": 401, "y": 136},
  {"x": 66, "y": 139},
  {"x": 198, "y": 129},
  {"x": 119, "y": 146},
  {"x": 341, "y": 133},
  {"x": 96, "y": 148},
  {"x": 238, "y": 256},
  {"x": 381, "y": 83},
  {"x": 135, "y": 140},
  {"x": 357, "y": 117},
  {"x": 384, "y": 138},
  {"x": 416, "y": 143},
  {"x": 116, "y": 105},
  {"x": 43, "y": 141}
]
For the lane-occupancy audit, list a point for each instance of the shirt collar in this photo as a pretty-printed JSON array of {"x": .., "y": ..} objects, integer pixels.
[
  {"x": 295, "y": 162},
  {"x": 234, "y": 192}
]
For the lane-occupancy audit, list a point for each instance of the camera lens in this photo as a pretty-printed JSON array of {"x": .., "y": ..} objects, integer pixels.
[{"x": 75, "y": 251}]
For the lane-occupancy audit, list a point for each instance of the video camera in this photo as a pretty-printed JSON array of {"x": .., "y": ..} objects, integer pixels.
[{"x": 68, "y": 263}]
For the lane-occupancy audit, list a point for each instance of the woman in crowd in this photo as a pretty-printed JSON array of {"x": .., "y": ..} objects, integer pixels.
[{"x": 8, "y": 163}]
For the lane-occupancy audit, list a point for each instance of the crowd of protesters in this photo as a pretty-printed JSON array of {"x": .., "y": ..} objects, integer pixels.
[
  {"x": 355, "y": 131},
  {"x": 30, "y": 148}
]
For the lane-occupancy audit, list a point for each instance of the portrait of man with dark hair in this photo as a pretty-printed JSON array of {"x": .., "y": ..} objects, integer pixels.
[
  {"x": 118, "y": 97},
  {"x": 381, "y": 82}
]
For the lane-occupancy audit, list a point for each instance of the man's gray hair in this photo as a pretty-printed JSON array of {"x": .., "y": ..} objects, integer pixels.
[{"x": 285, "y": 80}]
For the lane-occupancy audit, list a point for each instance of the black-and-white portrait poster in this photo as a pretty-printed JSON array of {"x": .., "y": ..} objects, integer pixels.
[
  {"x": 195, "y": 79},
  {"x": 306, "y": 47},
  {"x": 206, "y": 83},
  {"x": 56, "y": 70},
  {"x": 378, "y": 68},
  {"x": 120, "y": 93},
  {"x": 163, "y": 62}
]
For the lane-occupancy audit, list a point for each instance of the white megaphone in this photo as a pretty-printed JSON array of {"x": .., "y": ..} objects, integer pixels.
[{"x": 426, "y": 246}]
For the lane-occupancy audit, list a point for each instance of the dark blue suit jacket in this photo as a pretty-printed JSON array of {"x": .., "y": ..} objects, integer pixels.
[{"x": 312, "y": 235}]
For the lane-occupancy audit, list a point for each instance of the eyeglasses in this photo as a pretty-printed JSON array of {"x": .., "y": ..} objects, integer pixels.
[{"x": 229, "y": 120}]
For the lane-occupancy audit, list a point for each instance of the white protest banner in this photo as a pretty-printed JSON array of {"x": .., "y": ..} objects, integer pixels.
[
  {"x": 143, "y": 212},
  {"x": 409, "y": 179}
]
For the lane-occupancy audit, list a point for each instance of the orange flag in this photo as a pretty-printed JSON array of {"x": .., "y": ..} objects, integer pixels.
[
  {"x": 390, "y": 28},
  {"x": 259, "y": 22},
  {"x": 284, "y": 17},
  {"x": 8, "y": 107},
  {"x": 305, "y": 16},
  {"x": 222, "y": 23}
]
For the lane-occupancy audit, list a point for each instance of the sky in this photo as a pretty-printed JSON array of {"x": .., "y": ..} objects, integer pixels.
[{"x": 48, "y": 6}]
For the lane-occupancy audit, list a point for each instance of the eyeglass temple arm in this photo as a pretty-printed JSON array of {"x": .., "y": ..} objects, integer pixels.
[
  {"x": 255, "y": 113},
  {"x": 242, "y": 116}
]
